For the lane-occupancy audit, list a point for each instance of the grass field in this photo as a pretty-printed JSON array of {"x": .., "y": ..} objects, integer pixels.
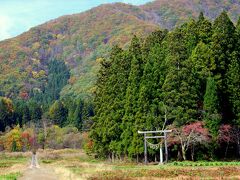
[
  {"x": 12, "y": 165},
  {"x": 74, "y": 164}
]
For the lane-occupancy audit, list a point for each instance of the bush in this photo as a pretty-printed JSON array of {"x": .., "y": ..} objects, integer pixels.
[{"x": 12, "y": 141}]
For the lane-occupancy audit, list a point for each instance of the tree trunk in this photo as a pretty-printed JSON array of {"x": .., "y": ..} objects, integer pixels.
[
  {"x": 109, "y": 157},
  {"x": 179, "y": 155},
  {"x": 45, "y": 132},
  {"x": 184, "y": 154},
  {"x": 238, "y": 142},
  {"x": 113, "y": 157},
  {"x": 226, "y": 150},
  {"x": 192, "y": 153}
]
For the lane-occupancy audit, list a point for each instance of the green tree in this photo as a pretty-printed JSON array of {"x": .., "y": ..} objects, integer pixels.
[
  {"x": 132, "y": 95},
  {"x": 203, "y": 66},
  {"x": 78, "y": 115},
  {"x": 58, "y": 75},
  {"x": 222, "y": 45},
  {"x": 35, "y": 111},
  {"x": 148, "y": 115},
  {"x": 204, "y": 29},
  {"x": 179, "y": 93},
  {"x": 6, "y": 112},
  {"x": 58, "y": 113},
  {"x": 26, "y": 117},
  {"x": 109, "y": 102},
  {"x": 212, "y": 117},
  {"x": 233, "y": 77}
]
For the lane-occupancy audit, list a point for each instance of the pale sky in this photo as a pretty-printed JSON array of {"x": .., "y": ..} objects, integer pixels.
[{"x": 18, "y": 16}]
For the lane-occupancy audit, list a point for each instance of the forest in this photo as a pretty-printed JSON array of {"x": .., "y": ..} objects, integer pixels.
[
  {"x": 42, "y": 116},
  {"x": 186, "y": 80}
]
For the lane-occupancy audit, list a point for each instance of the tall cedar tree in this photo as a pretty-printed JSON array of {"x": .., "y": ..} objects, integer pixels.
[
  {"x": 98, "y": 131},
  {"x": 111, "y": 92},
  {"x": 148, "y": 115},
  {"x": 178, "y": 91},
  {"x": 132, "y": 95},
  {"x": 233, "y": 77},
  {"x": 212, "y": 117},
  {"x": 233, "y": 81},
  {"x": 202, "y": 67},
  {"x": 223, "y": 42},
  {"x": 204, "y": 29}
]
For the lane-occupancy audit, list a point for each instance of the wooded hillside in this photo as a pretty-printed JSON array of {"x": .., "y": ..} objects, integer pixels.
[
  {"x": 81, "y": 39},
  {"x": 187, "y": 80}
]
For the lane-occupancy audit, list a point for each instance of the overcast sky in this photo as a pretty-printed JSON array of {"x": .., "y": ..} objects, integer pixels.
[{"x": 17, "y": 16}]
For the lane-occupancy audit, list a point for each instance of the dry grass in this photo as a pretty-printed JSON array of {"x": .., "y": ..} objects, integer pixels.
[{"x": 76, "y": 165}]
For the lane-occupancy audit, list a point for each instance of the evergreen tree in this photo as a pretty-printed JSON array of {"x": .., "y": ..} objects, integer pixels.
[
  {"x": 186, "y": 75},
  {"x": 178, "y": 91},
  {"x": 222, "y": 45},
  {"x": 71, "y": 106},
  {"x": 98, "y": 129},
  {"x": 26, "y": 117},
  {"x": 88, "y": 113},
  {"x": 58, "y": 75},
  {"x": 110, "y": 102},
  {"x": 202, "y": 67},
  {"x": 78, "y": 115},
  {"x": 204, "y": 29},
  {"x": 6, "y": 112},
  {"x": 148, "y": 115},
  {"x": 233, "y": 77},
  {"x": 58, "y": 113},
  {"x": 132, "y": 95},
  {"x": 35, "y": 111},
  {"x": 211, "y": 116}
]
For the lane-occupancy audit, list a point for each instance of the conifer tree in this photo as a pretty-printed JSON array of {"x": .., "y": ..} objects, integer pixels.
[
  {"x": 204, "y": 29},
  {"x": 148, "y": 115},
  {"x": 202, "y": 67},
  {"x": 26, "y": 115},
  {"x": 58, "y": 113},
  {"x": 233, "y": 82},
  {"x": 211, "y": 116},
  {"x": 98, "y": 130},
  {"x": 222, "y": 45},
  {"x": 78, "y": 115},
  {"x": 57, "y": 78},
  {"x": 132, "y": 95},
  {"x": 110, "y": 108},
  {"x": 186, "y": 75},
  {"x": 178, "y": 92},
  {"x": 151, "y": 83}
]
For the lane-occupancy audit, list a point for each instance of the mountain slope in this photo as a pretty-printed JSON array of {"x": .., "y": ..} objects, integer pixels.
[
  {"x": 81, "y": 39},
  {"x": 169, "y": 14},
  {"x": 77, "y": 39}
]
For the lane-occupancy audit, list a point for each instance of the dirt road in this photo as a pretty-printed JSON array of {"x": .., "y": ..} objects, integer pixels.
[{"x": 42, "y": 173}]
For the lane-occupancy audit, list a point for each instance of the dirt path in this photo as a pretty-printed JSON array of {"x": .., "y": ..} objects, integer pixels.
[{"x": 42, "y": 173}]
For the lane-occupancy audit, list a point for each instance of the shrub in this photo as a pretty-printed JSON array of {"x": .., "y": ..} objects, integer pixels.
[{"x": 13, "y": 140}]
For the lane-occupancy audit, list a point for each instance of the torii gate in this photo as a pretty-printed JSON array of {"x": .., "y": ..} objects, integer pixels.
[{"x": 156, "y": 137}]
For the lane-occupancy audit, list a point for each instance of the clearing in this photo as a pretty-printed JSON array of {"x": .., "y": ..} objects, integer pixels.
[{"x": 75, "y": 164}]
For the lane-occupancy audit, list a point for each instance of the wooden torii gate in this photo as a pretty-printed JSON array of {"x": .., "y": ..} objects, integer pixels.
[{"x": 146, "y": 136}]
